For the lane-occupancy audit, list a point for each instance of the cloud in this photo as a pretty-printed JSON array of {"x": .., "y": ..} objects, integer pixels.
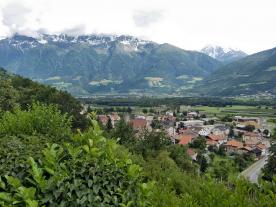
[
  {"x": 147, "y": 18},
  {"x": 184, "y": 23},
  {"x": 76, "y": 30},
  {"x": 16, "y": 16}
]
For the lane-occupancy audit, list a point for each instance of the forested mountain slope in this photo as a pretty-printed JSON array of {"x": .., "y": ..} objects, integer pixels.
[{"x": 104, "y": 63}]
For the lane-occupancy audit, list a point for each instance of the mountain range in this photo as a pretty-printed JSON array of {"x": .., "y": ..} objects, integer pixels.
[
  {"x": 225, "y": 55},
  {"x": 253, "y": 74},
  {"x": 120, "y": 64},
  {"x": 105, "y": 63}
]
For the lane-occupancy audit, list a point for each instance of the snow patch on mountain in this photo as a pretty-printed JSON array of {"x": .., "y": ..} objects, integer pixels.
[
  {"x": 128, "y": 42},
  {"x": 224, "y": 54}
]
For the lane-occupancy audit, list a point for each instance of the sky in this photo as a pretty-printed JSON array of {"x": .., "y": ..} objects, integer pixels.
[{"x": 248, "y": 25}]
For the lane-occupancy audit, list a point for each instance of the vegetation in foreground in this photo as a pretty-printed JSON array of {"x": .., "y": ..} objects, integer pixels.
[
  {"x": 87, "y": 169},
  {"x": 45, "y": 161}
]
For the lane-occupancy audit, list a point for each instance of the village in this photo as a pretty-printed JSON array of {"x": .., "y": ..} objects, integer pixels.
[{"x": 232, "y": 135}]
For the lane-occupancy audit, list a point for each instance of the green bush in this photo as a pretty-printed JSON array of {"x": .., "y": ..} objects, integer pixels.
[
  {"x": 15, "y": 150},
  {"x": 37, "y": 119},
  {"x": 86, "y": 172}
]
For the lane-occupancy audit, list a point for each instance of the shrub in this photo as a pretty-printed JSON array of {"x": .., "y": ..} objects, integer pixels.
[
  {"x": 86, "y": 172},
  {"x": 37, "y": 119}
]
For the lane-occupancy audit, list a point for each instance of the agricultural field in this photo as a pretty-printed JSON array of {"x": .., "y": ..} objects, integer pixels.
[{"x": 255, "y": 111}]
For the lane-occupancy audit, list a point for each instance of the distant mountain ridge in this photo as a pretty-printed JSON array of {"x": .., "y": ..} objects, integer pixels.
[
  {"x": 225, "y": 55},
  {"x": 91, "y": 64},
  {"x": 119, "y": 64},
  {"x": 253, "y": 74}
]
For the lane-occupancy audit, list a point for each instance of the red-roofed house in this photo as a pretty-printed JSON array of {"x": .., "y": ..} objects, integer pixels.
[
  {"x": 185, "y": 139},
  {"x": 138, "y": 123},
  {"x": 246, "y": 149},
  {"x": 233, "y": 145},
  {"x": 103, "y": 119},
  {"x": 187, "y": 132},
  {"x": 216, "y": 140},
  {"x": 251, "y": 138}
]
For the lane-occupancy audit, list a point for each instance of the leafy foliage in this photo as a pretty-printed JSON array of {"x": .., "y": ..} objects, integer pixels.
[
  {"x": 179, "y": 154},
  {"x": 199, "y": 143},
  {"x": 38, "y": 119},
  {"x": 86, "y": 172},
  {"x": 25, "y": 133},
  {"x": 124, "y": 132},
  {"x": 151, "y": 142}
]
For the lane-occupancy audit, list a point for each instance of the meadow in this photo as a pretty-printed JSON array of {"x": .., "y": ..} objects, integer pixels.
[{"x": 239, "y": 110}]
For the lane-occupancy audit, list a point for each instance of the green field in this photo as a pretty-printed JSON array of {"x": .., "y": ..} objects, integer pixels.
[
  {"x": 235, "y": 110},
  {"x": 239, "y": 110}
]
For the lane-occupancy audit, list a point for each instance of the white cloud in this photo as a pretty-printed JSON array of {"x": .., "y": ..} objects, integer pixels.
[
  {"x": 146, "y": 18},
  {"x": 244, "y": 24}
]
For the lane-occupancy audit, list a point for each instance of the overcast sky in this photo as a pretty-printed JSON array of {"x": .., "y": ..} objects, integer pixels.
[{"x": 190, "y": 24}]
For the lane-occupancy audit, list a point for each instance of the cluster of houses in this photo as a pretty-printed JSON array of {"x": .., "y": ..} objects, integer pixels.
[
  {"x": 194, "y": 126},
  {"x": 216, "y": 135}
]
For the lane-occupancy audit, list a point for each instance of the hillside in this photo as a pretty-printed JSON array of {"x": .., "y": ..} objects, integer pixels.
[
  {"x": 225, "y": 55},
  {"x": 18, "y": 91},
  {"x": 104, "y": 63},
  {"x": 251, "y": 75}
]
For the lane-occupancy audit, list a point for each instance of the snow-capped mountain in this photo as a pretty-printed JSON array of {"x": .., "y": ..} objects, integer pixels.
[
  {"x": 225, "y": 55},
  {"x": 24, "y": 42},
  {"x": 88, "y": 64}
]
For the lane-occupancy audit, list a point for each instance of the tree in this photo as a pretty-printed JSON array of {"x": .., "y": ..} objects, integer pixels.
[
  {"x": 156, "y": 124},
  {"x": 179, "y": 154},
  {"x": 221, "y": 170},
  {"x": 240, "y": 162},
  {"x": 221, "y": 150},
  {"x": 202, "y": 161},
  {"x": 145, "y": 111},
  {"x": 211, "y": 122},
  {"x": 199, "y": 143},
  {"x": 178, "y": 109},
  {"x": 231, "y": 132},
  {"x": 274, "y": 134},
  {"x": 109, "y": 124},
  {"x": 124, "y": 132},
  {"x": 249, "y": 128},
  {"x": 213, "y": 148},
  {"x": 269, "y": 170},
  {"x": 151, "y": 142},
  {"x": 266, "y": 132},
  {"x": 227, "y": 118},
  {"x": 9, "y": 95},
  {"x": 129, "y": 110}
]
